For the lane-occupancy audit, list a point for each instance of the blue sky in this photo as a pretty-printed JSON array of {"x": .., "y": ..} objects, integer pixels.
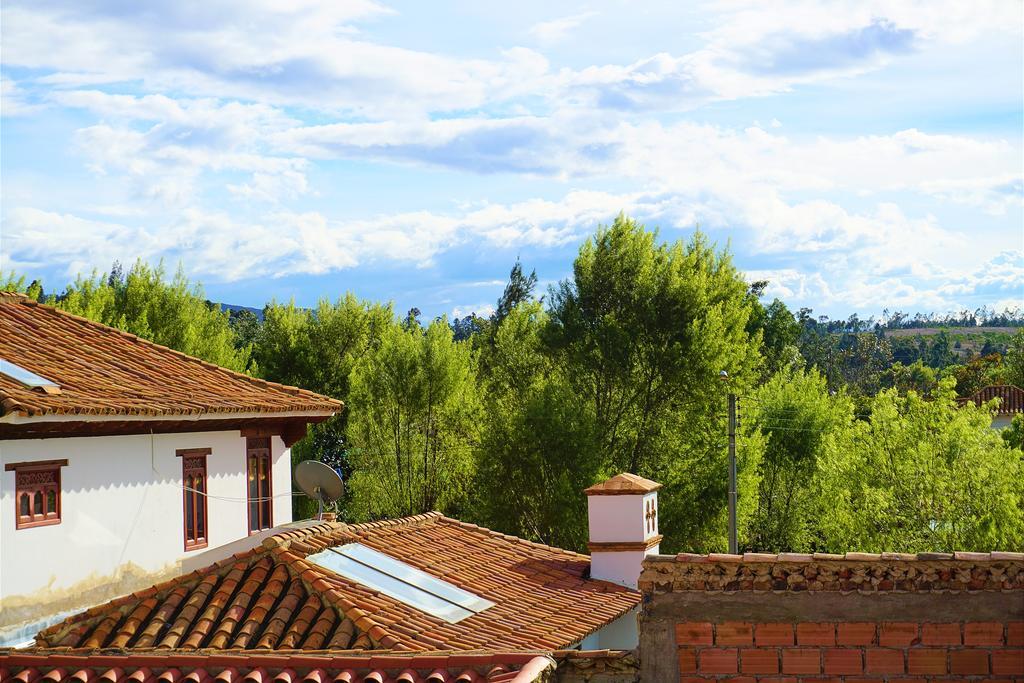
[{"x": 860, "y": 156}]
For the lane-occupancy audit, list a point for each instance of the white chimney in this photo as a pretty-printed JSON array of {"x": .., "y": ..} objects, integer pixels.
[{"x": 623, "y": 515}]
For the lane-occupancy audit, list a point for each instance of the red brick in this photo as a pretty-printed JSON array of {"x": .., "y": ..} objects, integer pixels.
[
  {"x": 843, "y": 661},
  {"x": 687, "y": 660},
  {"x": 940, "y": 634},
  {"x": 882, "y": 661},
  {"x": 815, "y": 634},
  {"x": 898, "y": 634},
  {"x": 773, "y": 634},
  {"x": 1008, "y": 662},
  {"x": 926, "y": 661},
  {"x": 983, "y": 633},
  {"x": 693, "y": 633},
  {"x": 735, "y": 679},
  {"x": 777, "y": 679},
  {"x": 802, "y": 661},
  {"x": 734, "y": 633},
  {"x": 968, "y": 662},
  {"x": 718, "y": 661},
  {"x": 855, "y": 633},
  {"x": 759, "y": 661},
  {"x": 851, "y": 679},
  {"x": 1015, "y": 634}
]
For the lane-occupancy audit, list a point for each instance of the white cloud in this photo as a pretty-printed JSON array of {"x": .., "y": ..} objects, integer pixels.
[
  {"x": 164, "y": 145},
  {"x": 483, "y": 310},
  {"x": 13, "y": 100},
  {"x": 556, "y": 30},
  {"x": 304, "y": 54}
]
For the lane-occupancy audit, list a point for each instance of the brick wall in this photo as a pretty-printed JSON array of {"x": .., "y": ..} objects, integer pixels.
[{"x": 857, "y": 617}]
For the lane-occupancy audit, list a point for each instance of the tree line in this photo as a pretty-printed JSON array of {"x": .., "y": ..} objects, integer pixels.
[{"x": 503, "y": 420}]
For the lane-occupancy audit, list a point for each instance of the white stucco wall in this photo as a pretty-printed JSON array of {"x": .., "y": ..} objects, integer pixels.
[
  {"x": 121, "y": 514},
  {"x": 620, "y": 519},
  {"x": 621, "y": 634}
]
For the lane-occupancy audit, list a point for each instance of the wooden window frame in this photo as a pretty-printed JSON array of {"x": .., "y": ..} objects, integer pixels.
[
  {"x": 250, "y": 446},
  {"x": 39, "y": 470},
  {"x": 193, "y": 459}
]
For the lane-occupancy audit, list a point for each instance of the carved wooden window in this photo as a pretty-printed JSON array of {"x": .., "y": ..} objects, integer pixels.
[
  {"x": 36, "y": 493},
  {"x": 260, "y": 482},
  {"x": 194, "y": 507}
]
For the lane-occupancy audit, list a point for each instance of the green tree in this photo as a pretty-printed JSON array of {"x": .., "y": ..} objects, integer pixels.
[
  {"x": 318, "y": 350},
  {"x": 780, "y": 331},
  {"x": 916, "y": 377},
  {"x": 921, "y": 475},
  {"x": 1014, "y": 360},
  {"x": 799, "y": 420},
  {"x": 641, "y": 332},
  {"x": 174, "y": 313},
  {"x": 414, "y": 423},
  {"x": 1013, "y": 435},
  {"x": 536, "y": 452}
]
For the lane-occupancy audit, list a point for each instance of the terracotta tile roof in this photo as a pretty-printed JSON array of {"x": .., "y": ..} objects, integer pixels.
[
  {"x": 104, "y": 371},
  {"x": 273, "y": 598},
  {"x": 1011, "y": 398},
  {"x": 436, "y": 667},
  {"x": 623, "y": 484}
]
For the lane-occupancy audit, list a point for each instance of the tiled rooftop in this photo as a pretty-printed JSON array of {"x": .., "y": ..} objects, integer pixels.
[
  {"x": 623, "y": 484},
  {"x": 103, "y": 371},
  {"x": 273, "y": 599},
  {"x": 436, "y": 667},
  {"x": 1011, "y": 398}
]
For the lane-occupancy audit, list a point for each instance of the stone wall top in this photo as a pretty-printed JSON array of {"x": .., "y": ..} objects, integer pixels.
[{"x": 850, "y": 572}]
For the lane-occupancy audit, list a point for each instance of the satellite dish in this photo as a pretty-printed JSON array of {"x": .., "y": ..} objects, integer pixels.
[{"x": 319, "y": 482}]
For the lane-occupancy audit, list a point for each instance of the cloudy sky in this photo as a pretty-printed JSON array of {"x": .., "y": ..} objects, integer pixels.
[{"x": 860, "y": 155}]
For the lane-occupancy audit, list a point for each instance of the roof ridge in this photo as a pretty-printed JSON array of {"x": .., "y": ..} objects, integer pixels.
[
  {"x": 53, "y": 310},
  {"x": 508, "y": 537}
]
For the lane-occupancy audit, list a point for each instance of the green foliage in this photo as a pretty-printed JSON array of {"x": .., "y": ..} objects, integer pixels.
[
  {"x": 641, "y": 332},
  {"x": 536, "y": 452},
  {"x": 174, "y": 313},
  {"x": 780, "y": 332},
  {"x": 799, "y": 420},
  {"x": 415, "y": 424},
  {"x": 1014, "y": 360},
  {"x": 916, "y": 377},
  {"x": 1013, "y": 435},
  {"x": 921, "y": 475},
  {"x": 319, "y": 350}
]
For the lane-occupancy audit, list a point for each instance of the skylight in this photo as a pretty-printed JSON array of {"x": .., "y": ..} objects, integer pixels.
[
  {"x": 27, "y": 377},
  {"x": 398, "y": 580}
]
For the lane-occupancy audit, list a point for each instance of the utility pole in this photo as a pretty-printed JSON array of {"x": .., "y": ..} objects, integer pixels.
[{"x": 733, "y": 545}]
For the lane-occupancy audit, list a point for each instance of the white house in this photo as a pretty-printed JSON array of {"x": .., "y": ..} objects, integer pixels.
[{"x": 125, "y": 462}]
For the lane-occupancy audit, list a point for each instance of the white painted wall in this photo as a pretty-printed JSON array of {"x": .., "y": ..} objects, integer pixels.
[
  {"x": 121, "y": 513},
  {"x": 621, "y": 634},
  {"x": 620, "y": 518}
]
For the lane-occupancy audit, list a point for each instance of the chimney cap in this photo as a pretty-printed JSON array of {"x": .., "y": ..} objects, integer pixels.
[{"x": 624, "y": 484}]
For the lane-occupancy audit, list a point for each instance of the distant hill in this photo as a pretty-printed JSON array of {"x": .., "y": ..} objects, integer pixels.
[
  {"x": 925, "y": 331},
  {"x": 234, "y": 308}
]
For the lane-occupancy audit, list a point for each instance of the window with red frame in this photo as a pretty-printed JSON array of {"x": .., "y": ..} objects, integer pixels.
[
  {"x": 193, "y": 477},
  {"x": 257, "y": 452},
  {"x": 36, "y": 493}
]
